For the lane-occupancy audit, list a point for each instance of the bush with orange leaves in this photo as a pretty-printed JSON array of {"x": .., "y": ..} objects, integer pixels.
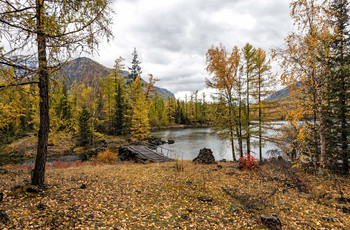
[
  {"x": 248, "y": 163},
  {"x": 107, "y": 156}
]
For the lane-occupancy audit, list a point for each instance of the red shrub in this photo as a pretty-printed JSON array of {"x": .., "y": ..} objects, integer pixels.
[{"x": 248, "y": 163}]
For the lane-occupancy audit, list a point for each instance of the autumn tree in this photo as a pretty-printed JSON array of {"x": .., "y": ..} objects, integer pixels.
[
  {"x": 262, "y": 84},
  {"x": 47, "y": 33},
  {"x": 248, "y": 55},
  {"x": 304, "y": 69},
  {"x": 150, "y": 86},
  {"x": 140, "y": 128},
  {"x": 224, "y": 68}
]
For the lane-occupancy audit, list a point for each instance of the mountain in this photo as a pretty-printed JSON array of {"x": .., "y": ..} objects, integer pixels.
[
  {"x": 279, "y": 95},
  {"x": 88, "y": 71},
  {"x": 282, "y": 94}
]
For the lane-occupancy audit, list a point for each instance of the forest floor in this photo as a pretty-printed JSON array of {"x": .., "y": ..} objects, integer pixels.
[{"x": 173, "y": 195}]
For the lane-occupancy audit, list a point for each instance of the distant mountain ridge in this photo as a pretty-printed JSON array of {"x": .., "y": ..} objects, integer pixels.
[
  {"x": 283, "y": 93},
  {"x": 86, "y": 70}
]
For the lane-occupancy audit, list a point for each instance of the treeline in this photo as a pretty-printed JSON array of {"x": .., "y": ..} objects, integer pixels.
[{"x": 115, "y": 105}]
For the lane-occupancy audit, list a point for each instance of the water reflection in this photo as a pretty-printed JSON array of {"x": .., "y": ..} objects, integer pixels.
[{"x": 189, "y": 141}]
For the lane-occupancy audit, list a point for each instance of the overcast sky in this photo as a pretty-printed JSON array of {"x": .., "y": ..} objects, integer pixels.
[{"x": 173, "y": 36}]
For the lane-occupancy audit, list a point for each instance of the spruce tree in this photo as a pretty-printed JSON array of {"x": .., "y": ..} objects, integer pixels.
[
  {"x": 120, "y": 107},
  {"x": 85, "y": 127},
  {"x": 135, "y": 70},
  {"x": 338, "y": 84}
]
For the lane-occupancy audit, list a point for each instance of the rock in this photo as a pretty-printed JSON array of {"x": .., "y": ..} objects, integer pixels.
[
  {"x": 3, "y": 171},
  {"x": 185, "y": 216},
  {"x": 205, "y": 199},
  {"x": 328, "y": 219},
  {"x": 345, "y": 209},
  {"x": 235, "y": 208},
  {"x": 343, "y": 200},
  {"x": 271, "y": 221},
  {"x": 219, "y": 166},
  {"x": 205, "y": 156},
  {"x": 155, "y": 141},
  {"x": 4, "y": 218},
  {"x": 171, "y": 142},
  {"x": 83, "y": 186},
  {"x": 41, "y": 206},
  {"x": 103, "y": 143},
  {"x": 32, "y": 189}
]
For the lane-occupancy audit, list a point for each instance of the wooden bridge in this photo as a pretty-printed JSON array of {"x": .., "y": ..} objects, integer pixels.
[{"x": 144, "y": 153}]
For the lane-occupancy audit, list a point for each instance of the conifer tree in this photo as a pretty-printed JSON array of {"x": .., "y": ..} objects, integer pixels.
[
  {"x": 85, "y": 132},
  {"x": 44, "y": 32},
  {"x": 248, "y": 53},
  {"x": 135, "y": 70},
  {"x": 120, "y": 107},
  {"x": 262, "y": 84},
  {"x": 140, "y": 128},
  {"x": 339, "y": 81}
]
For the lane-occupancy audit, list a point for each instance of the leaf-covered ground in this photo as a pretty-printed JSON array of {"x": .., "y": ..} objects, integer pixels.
[{"x": 163, "y": 196}]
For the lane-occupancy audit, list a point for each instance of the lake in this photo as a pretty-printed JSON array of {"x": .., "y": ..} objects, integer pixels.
[{"x": 189, "y": 141}]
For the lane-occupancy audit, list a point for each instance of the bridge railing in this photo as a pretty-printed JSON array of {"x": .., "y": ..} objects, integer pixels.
[{"x": 165, "y": 151}]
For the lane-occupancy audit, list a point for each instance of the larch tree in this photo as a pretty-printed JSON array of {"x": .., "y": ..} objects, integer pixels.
[
  {"x": 262, "y": 84},
  {"x": 150, "y": 86},
  {"x": 224, "y": 68},
  {"x": 42, "y": 35},
  {"x": 140, "y": 128},
  {"x": 248, "y": 55}
]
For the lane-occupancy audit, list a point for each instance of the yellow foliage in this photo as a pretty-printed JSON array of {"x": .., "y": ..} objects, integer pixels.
[{"x": 107, "y": 156}]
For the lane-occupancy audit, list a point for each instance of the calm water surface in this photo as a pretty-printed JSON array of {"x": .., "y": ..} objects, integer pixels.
[{"x": 189, "y": 141}]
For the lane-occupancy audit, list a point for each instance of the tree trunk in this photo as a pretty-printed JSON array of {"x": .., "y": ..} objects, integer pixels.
[
  {"x": 343, "y": 111},
  {"x": 38, "y": 177},
  {"x": 322, "y": 133},
  {"x": 240, "y": 120},
  {"x": 260, "y": 121},
  {"x": 248, "y": 118}
]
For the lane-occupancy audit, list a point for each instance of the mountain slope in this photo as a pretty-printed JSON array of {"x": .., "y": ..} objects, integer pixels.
[{"x": 88, "y": 71}]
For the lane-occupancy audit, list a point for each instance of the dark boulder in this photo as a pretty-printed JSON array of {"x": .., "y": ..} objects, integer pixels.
[
  {"x": 171, "y": 142},
  {"x": 4, "y": 218},
  {"x": 205, "y": 156},
  {"x": 155, "y": 141},
  {"x": 41, "y": 206},
  {"x": 32, "y": 189},
  {"x": 205, "y": 199},
  {"x": 83, "y": 186},
  {"x": 271, "y": 221}
]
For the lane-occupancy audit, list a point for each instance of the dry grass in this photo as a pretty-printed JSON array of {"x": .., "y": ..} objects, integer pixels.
[{"x": 159, "y": 196}]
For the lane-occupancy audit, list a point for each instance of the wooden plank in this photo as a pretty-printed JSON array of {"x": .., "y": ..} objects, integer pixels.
[{"x": 145, "y": 153}]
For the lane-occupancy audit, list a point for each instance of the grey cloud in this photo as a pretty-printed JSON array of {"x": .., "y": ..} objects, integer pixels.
[{"x": 177, "y": 38}]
